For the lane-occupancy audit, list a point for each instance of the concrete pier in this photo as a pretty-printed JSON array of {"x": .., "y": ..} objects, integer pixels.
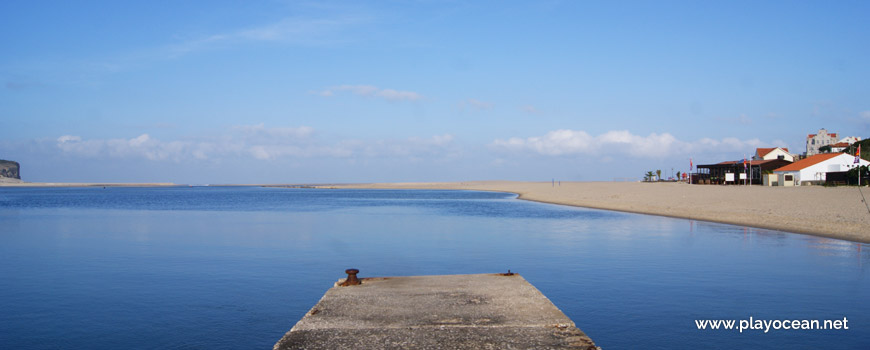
[{"x": 482, "y": 311}]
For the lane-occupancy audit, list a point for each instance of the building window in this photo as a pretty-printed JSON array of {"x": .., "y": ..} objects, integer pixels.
[{"x": 789, "y": 178}]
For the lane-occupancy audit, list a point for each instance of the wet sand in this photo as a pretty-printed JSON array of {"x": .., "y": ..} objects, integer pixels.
[{"x": 836, "y": 212}]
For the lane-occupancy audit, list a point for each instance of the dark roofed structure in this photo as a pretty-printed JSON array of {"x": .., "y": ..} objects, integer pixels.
[{"x": 714, "y": 174}]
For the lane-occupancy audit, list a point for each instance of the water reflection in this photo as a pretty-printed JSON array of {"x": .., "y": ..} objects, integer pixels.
[{"x": 191, "y": 263}]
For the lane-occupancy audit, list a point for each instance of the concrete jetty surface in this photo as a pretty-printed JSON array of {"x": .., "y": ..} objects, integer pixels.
[{"x": 481, "y": 311}]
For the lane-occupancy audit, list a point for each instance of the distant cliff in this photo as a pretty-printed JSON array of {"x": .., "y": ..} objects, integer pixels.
[{"x": 9, "y": 170}]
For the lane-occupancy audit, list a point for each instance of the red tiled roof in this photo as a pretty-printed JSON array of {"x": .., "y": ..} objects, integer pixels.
[
  {"x": 761, "y": 152},
  {"x": 834, "y": 135},
  {"x": 840, "y": 144},
  {"x": 808, "y": 161}
]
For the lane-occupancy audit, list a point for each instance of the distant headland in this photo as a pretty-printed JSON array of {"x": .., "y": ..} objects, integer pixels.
[{"x": 10, "y": 171}]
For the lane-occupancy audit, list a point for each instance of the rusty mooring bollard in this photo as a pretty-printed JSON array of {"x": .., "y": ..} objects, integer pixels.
[{"x": 351, "y": 278}]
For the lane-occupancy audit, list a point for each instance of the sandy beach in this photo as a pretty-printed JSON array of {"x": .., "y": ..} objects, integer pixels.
[{"x": 836, "y": 212}]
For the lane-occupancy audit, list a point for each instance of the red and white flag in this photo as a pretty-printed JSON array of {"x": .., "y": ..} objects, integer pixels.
[{"x": 858, "y": 155}]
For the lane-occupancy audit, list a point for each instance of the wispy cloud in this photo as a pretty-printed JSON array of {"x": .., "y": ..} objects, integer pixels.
[
  {"x": 18, "y": 85},
  {"x": 529, "y": 109},
  {"x": 256, "y": 142},
  {"x": 474, "y": 104},
  {"x": 742, "y": 119},
  {"x": 142, "y": 146},
  {"x": 328, "y": 29},
  {"x": 372, "y": 91},
  {"x": 577, "y": 142},
  {"x": 281, "y": 132},
  {"x": 413, "y": 148},
  {"x": 291, "y": 30}
]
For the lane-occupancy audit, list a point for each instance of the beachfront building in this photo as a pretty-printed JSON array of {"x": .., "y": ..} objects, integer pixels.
[
  {"x": 822, "y": 138},
  {"x": 772, "y": 153},
  {"x": 812, "y": 170},
  {"x": 850, "y": 139},
  {"x": 840, "y": 147},
  {"x": 718, "y": 174}
]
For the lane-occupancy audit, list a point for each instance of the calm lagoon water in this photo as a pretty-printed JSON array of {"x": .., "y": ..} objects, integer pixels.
[{"x": 236, "y": 267}]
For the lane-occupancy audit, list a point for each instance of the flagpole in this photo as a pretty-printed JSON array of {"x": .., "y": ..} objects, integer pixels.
[
  {"x": 858, "y": 161},
  {"x": 690, "y": 171}
]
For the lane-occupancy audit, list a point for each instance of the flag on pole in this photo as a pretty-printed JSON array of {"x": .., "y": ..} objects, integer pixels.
[{"x": 690, "y": 164}]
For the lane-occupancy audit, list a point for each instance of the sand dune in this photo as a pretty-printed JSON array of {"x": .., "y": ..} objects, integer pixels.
[{"x": 836, "y": 212}]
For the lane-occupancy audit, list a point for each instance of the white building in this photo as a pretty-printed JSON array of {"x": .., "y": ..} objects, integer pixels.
[
  {"x": 840, "y": 147},
  {"x": 773, "y": 153},
  {"x": 813, "y": 169},
  {"x": 822, "y": 138},
  {"x": 850, "y": 139}
]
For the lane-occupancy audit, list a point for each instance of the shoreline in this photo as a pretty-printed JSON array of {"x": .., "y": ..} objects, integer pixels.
[
  {"x": 818, "y": 211},
  {"x": 831, "y": 212}
]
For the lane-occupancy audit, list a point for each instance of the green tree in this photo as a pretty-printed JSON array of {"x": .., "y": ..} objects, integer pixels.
[
  {"x": 658, "y": 175},
  {"x": 865, "y": 149},
  {"x": 678, "y": 176},
  {"x": 648, "y": 176},
  {"x": 852, "y": 175}
]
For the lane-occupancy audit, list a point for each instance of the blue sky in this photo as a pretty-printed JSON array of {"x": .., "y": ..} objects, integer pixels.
[{"x": 292, "y": 91}]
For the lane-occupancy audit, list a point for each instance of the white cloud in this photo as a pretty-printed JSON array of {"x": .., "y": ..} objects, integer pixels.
[
  {"x": 372, "y": 91},
  {"x": 68, "y": 138},
  {"x": 578, "y": 142},
  {"x": 554, "y": 143}
]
